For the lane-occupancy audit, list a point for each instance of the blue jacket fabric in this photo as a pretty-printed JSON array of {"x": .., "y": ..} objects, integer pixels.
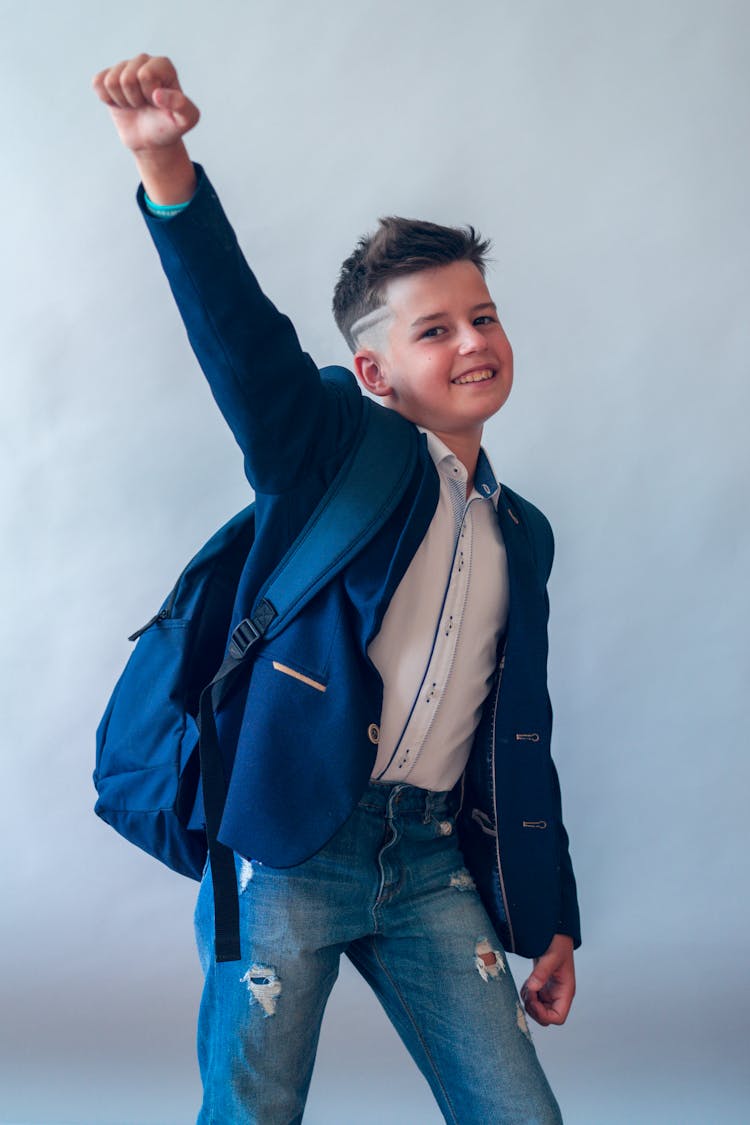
[{"x": 299, "y": 756}]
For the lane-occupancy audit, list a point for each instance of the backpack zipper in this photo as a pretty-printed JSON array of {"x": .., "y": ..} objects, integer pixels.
[
  {"x": 164, "y": 612},
  {"x": 160, "y": 616}
]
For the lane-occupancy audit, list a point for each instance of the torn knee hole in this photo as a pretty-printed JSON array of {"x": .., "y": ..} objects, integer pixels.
[
  {"x": 489, "y": 962},
  {"x": 264, "y": 986}
]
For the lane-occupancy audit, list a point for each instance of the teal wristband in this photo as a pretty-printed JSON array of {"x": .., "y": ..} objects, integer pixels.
[{"x": 164, "y": 210}]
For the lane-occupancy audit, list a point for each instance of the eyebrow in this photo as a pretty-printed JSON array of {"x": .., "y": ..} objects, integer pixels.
[{"x": 442, "y": 315}]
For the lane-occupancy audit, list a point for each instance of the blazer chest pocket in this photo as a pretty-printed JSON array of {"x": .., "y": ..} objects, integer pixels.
[{"x": 302, "y": 677}]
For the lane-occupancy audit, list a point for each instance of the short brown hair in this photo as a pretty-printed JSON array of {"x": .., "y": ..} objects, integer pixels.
[{"x": 398, "y": 247}]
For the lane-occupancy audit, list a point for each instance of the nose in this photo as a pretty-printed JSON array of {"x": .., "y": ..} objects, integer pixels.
[{"x": 471, "y": 340}]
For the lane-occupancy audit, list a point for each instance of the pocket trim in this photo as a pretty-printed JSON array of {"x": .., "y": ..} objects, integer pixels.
[{"x": 298, "y": 676}]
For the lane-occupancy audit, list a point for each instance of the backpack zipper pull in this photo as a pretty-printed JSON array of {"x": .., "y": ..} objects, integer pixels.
[{"x": 160, "y": 616}]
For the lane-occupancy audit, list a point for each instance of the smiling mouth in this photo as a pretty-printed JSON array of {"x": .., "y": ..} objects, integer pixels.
[{"x": 481, "y": 376}]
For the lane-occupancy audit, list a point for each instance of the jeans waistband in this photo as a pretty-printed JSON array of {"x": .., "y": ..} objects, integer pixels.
[{"x": 389, "y": 798}]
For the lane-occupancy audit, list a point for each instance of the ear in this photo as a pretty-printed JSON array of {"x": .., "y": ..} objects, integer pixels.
[{"x": 369, "y": 370}]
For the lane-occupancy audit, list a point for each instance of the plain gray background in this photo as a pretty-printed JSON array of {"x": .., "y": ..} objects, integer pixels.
[{"x": 604, "y": 146}]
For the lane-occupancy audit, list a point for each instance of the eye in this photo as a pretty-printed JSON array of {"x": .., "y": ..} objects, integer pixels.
[
  {"x": 432, "y": 332},
  {"x": 486, "y": 319}
]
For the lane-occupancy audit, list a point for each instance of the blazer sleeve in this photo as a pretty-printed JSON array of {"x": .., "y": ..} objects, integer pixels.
[
  {"x": 569, "y": 921},
  {"x": 286, "y": 420}
]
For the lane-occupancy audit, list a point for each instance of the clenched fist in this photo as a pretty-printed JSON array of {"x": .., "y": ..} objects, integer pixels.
[{"x": 147, "y": 104}]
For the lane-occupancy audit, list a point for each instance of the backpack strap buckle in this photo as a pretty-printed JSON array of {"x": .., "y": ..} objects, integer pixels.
[
  {"x": 244, "y": 637},
  {"x": 250, "y": 630}
]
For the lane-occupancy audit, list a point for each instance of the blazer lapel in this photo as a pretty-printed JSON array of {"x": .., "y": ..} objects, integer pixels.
[{"x": 527, "y": 615}]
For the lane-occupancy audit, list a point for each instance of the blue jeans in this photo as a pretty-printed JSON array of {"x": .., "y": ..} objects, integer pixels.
[{"x": 391, "y": 892}]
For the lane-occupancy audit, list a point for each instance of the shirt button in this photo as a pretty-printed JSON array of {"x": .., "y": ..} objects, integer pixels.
[{"x": 373, "y": 733}]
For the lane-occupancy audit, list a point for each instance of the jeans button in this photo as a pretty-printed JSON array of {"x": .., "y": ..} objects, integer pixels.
[
  {"x": 445, "y": 827},
  {"x": 373, "y": 733}
]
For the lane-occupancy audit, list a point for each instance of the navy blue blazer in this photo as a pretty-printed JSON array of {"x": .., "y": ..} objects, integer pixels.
[{"x": 299, "y": 754}]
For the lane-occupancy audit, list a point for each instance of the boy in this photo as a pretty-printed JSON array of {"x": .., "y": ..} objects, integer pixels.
[{"x": 387, "y": 799}]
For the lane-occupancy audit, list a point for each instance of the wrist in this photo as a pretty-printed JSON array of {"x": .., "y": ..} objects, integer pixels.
[
  {"x": 167, "y": 173},
  {"x": 563, "y": 939}
]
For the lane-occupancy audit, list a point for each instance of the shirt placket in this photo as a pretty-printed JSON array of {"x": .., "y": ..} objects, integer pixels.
[{"x": 442, "y": 657}]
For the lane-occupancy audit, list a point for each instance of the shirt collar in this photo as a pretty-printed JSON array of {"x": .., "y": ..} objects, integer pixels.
[{"x": 446, "y": 462}]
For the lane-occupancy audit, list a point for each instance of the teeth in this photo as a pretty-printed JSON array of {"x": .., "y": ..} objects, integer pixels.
[{"x": 474, "y": 377}]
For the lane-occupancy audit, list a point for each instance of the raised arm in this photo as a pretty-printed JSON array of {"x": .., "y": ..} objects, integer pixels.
[{"x": 287, "y": 423}]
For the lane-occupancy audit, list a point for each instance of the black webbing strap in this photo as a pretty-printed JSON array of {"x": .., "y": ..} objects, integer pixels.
[{"x": 223, "y": 876}]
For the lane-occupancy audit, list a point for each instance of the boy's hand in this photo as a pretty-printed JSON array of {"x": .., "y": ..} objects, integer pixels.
[
  {"x": 152, "y": 115},
  {"x": 148, "y": 107},
  {"x": 549, "y": 990}
]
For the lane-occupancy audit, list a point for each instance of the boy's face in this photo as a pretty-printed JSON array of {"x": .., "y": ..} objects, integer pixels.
[{"x": 440, "y": 356}]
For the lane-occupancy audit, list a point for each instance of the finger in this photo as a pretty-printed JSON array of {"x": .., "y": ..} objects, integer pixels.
[
  {"x": 97, "y": 83},
  {"x": 536, "y": 1010},
  {"x": 111, "y": 83},
  {"x": 553, "y": 1005},
  {"x": 539, "y": 976},
  {"x": 533, "y": 1005},
  {"x": 185, "y": 113},
  {"x": 550, "y": 1018},
  {"x": 553, "y": 1013},
  {"x": 545, "y": 1014},
  {"x": 156, "y": 72},
  {"x": 130, "y": 84},
  {"x": 546, "y": 971}
]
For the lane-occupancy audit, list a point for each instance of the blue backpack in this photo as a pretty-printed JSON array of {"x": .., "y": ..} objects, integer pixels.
[{"x": 157, "y": 738}]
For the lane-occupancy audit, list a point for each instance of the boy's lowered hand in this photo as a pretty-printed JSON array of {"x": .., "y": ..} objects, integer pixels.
[
  {"x": 151, "y": 115},
  {"x": 549, "y": 990}
]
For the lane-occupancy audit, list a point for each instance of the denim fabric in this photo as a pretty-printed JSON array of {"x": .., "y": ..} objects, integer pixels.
[{"x": 391, "y": 892}]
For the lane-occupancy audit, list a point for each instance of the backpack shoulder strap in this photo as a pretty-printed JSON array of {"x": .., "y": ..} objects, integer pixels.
[{"x": 346, "y": 519}]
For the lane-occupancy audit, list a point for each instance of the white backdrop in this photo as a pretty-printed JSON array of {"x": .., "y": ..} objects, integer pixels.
[{"x": 604, "y": 146}]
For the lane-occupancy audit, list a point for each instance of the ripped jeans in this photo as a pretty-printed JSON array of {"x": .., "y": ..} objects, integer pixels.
[{"x": 391, "y": 892}]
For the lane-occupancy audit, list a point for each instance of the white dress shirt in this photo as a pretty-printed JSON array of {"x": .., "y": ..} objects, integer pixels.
[{"x": 437, "y": 648}]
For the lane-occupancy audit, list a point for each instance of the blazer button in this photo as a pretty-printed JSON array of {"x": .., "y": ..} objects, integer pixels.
[{"x": 373, "y": 733}]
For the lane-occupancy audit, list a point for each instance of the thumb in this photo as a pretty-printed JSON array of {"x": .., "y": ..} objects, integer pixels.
[
  {"x": 184, "y": 112},
  {"x": 540, "y": 974}
]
